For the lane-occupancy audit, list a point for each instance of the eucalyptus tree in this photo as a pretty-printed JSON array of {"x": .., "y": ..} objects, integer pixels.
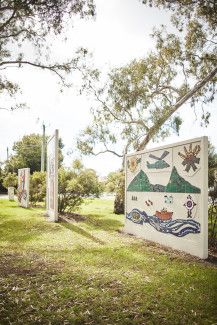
[
  {"x": 142, "y": 100},
  {"x": 27, "y": 24}
]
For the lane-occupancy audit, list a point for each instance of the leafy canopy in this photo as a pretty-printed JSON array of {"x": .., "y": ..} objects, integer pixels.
[
  {"x": 140, "y": 101},
  {"x": 26, "y": 24}
]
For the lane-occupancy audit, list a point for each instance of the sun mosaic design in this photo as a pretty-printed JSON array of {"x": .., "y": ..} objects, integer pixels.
[{"x": 178, "y": 227}]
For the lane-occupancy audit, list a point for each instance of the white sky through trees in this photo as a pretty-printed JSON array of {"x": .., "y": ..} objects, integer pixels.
[{"x": 119, "y": 33}]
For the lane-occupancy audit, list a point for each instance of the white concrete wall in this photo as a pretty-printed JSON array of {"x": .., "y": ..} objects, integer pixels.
[
  {"x": 186, "y": 231},
  {"x": 52, "y": 178}
]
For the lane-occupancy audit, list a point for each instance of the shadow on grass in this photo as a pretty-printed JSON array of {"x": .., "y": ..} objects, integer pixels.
[
  {"x": 22, "y": 231},
  {"x": 100, "y": 221},
  {"x": 81, "y": 232}
]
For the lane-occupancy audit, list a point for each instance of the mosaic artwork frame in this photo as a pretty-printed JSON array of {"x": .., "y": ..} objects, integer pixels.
[
  {"x": 23, "y": 187},
  {"x": 52, "y": 178},
  {"x": 171, "y": 205}
]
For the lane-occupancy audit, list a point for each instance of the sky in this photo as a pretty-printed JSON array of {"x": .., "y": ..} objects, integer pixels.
[{"x": 119, "y": 33}]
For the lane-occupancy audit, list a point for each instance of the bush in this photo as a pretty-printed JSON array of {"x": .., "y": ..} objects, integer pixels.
[
  {"x": 10, "y": 180},
  {"x": 37, "y": 191},
  {"x": 74, "y": 185},
  {"x": 2, "y": 188},
  {"x": 212, "y": 213}
]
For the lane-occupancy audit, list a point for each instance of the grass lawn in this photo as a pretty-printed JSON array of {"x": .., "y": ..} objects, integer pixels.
[{"x": 89, "y": 273}]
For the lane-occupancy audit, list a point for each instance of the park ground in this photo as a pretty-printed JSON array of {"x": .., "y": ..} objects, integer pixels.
[{"x": 88, "y": 272}]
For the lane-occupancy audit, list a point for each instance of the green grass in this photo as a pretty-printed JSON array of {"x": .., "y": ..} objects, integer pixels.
[{"x": 90, "y": 273}]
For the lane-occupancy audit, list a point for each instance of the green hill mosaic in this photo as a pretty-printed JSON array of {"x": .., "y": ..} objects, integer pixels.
[{"x": 176, "y": 184}]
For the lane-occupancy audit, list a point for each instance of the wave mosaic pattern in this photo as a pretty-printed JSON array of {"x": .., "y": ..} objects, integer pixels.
[
  {"x": 178, "y": 227},
  {"x": 170, "y": 185}
]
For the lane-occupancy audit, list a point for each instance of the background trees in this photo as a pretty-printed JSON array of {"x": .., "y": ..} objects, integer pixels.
[
  {"x": 212, "y": 163},
  {"x": 26, "y": 24},
  {"x": 27, "y": 153}
]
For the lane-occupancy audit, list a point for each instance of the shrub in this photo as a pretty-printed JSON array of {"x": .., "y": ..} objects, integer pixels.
[
  {"x": 37, "y": 191},
  {"x": 74, "y": 185},
  {"x": 212, "y": 212},
  {"x": 10, "y": 180}
]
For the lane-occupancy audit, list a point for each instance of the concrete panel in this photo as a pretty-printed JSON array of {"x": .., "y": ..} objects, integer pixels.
[
  {"x": 23, "y": 187},
  {"x": 167, "y": 195}
]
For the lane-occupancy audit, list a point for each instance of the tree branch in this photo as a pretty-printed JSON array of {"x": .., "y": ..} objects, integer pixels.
[
  {"x": 110, "y": 151},
  {"x": 52, "y": 68},
  {"x": 154, "y": 129},
  {"x": 7, "y": 21}
]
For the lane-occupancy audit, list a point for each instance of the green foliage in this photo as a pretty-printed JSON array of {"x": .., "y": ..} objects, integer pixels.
[
  {"x": 112, "y": 181},
  {"x": 27, "y": 153},
  {"x": 2, "y": 188},
  {"x": 115, "y": 183},
  {"x": 212, "y": 213},
  {"x": 77, "y": 165},
  {"x": 188, "y": 10},
  {"x": 74, "y": 185},
  {"x": 10, "y": 180},
  {"x": 212, "y": 164},
  {"x": 139, "y": 102},
  {"x": 37, "y": 191},
  {"x": 120, "y": 194},
  {"x": 28, "y": 24}
]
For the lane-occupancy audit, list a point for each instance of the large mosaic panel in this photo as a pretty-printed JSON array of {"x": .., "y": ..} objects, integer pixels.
[{"x": 166, "y": 195}]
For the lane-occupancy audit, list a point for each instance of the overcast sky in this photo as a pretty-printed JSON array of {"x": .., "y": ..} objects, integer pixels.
[{"x": 119, "y": 34}]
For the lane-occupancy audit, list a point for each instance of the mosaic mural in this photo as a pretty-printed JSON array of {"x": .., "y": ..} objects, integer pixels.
[
  {"x": 164, "y": 196},
  {"x": 23, "y": 187}
]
